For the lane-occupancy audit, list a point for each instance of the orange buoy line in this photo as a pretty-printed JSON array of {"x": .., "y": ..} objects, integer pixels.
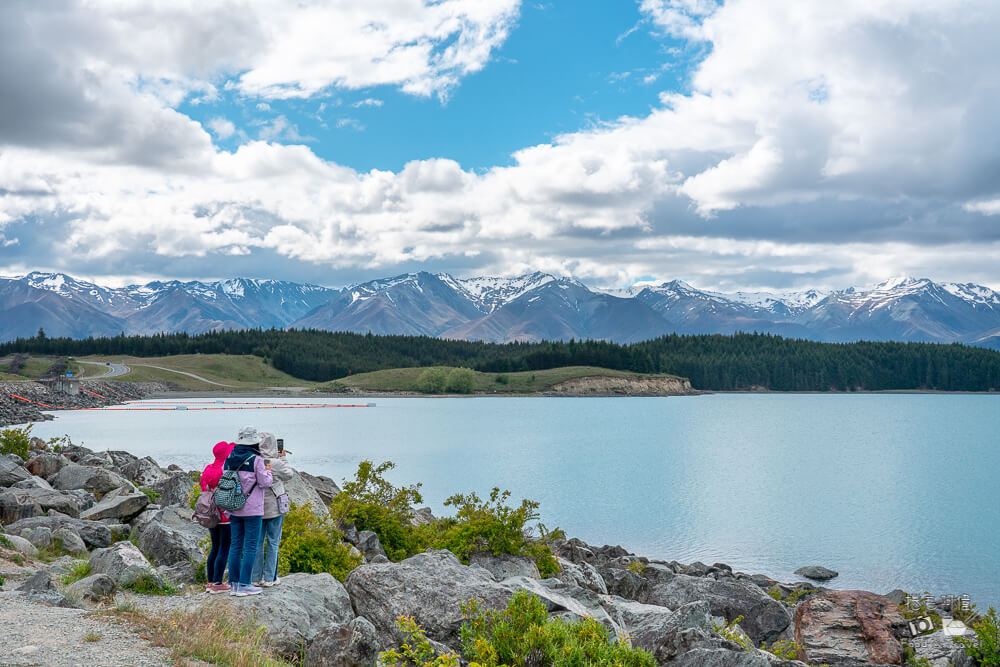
[{"x": 199, "y": 405}]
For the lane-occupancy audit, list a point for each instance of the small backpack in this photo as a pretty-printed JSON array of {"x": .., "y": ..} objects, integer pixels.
[
  {"x": 229, "y": 495},
  {"x": 206, "y": 512}
]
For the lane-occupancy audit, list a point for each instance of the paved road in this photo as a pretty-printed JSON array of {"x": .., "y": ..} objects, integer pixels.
[
  {"x": 110, "y": 370},
  {"x": 192, "y": 375}
]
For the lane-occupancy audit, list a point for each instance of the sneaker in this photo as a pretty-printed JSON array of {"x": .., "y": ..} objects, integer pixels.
[
  {"x": 218, "y": 588},
  {"x": 268, "y": 584},
  {"x": 250, "y": 590},
  {"x": 234, "y": 589}
]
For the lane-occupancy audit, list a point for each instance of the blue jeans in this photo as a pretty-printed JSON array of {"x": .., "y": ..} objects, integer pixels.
[
  {"x": 244, "y": 540},
  {"x": 215, "y": 565},
  {"x": 267, "y": 557}
]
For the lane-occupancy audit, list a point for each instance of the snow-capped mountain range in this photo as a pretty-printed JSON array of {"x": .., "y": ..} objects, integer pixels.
[{"x": 535, "y": 306}]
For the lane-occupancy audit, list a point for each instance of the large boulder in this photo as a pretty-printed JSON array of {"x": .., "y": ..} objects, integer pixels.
[
  {"x": 625, "y": 583},
  {"x": 46, "y": 465},
  {"x": 94, "y": 533},
  {"x": 175, "y": 489},
  {"x": 39, "y": 581},
  {"x": 172, "y": 538},
  {"x": 49, "y": 499},
  {"x": 581, "y": 574},
  {"x": 325, "y": 487},
  {"x": 18, "y": 504},
  {"x": 119, "y": 458},
  {"x": 89, "y": 478},
  {"x": 505, "y": 566},
  {"x": 301, "y": 492},
  {"x": 936, "y": 648},
  {"x": 41, "y": 537},
  {"x": 144, "y": 472},
  {"x": 430, "y": 587},
  {"x": 95, "y": 587},
  {"x": 33, "y": 482},
  {"x": 565, "y": 600},
  {"x": 369, "y": 544},
  {"x": 69, "y": 540},
  {"x": 351, "y": 644},
  {"x": 816, "y": 572},
  {"x": 297, "y": 610},
  {"x": 124, "y": 563},
  {"x": 121, "y": 504},
  {"x": 764, "y": 618},
  {"x": 848, "y": 628},
  {"x": 11, "y": 473},
  {"x": 22, "y": 545}
]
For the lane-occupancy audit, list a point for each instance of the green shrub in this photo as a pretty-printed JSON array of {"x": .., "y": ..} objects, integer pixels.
[
  {"x": 147, "y": 584},
  {"x": 985, "y": 646},
  {"x": 433, "y": 381},
  {"x": 522, "y": 634},
  {"x": 153, "y": 495},
  {"x": 415, "y": 650},
  {"x": 786, "y": 649},
  {"x": 734, "y": 633},
  {"x": 461, "y": 380},
  {"x": 195, "y": 493},
  {"x": 2, "y": 580},
  {"x": 637, "y": 566},
  {"x": 793, "y": 597},
  {"x": 313, "y": 544},
  {"x": 910, "y": 658},
  {"x": 503, "y": 379},
  {"x": 78, "y": 569},
  {"x": 4, "y": 542},
  {"x": 16, "y": 441}
]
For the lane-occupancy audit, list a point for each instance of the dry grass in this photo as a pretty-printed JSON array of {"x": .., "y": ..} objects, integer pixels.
[{"x": 216, "y": 633}]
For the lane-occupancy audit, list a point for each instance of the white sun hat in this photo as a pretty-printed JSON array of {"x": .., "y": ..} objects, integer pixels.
[{"x": 248, "y": 435}]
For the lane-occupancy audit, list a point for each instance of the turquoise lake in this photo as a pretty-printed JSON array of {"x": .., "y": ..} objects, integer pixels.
[{"x": 891, "y": 490}]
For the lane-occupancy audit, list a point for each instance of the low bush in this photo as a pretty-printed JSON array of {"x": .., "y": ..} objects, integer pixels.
[
  {"x": 461, "y": 380},
  {"x": 16, "y": 441},
  {"x": 984, "y": 648},
  {"x": 147, "y": 584},
  {"x": 734, "y": 633},
  {"x": 78, "y": 569},
  {"x": 433, "y": 381},
  {"x": 415, "y": 651},
  {"x": 786, "y": 649},
  {"x": 314, "y": 544},
  {"x": 523, "y": 634},
  {"x": 152, "y": 495}
]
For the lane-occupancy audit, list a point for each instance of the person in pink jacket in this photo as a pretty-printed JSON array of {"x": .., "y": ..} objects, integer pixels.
[
  {"x": 245, "y": 523},
  {"x": 219, "y": 554}
]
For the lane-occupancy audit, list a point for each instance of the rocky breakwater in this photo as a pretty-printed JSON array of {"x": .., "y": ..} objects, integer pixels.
[
  {"x": 94, "y": 394},
  {"x": 99, "y": 506}
]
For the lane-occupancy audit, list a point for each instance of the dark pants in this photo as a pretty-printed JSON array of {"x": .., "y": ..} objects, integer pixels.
[
  {"x": 243, "y": 547},
  {"x": 217, "y": 557}
]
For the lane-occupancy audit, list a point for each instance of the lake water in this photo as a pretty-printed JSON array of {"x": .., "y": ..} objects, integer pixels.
[{"x": 892, "y": 491}]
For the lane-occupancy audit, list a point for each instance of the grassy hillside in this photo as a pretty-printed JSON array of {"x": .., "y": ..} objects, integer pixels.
[
  {"x": 238, "y": 372},
  {"x": 34, "y": 368},
  {"x": 528, "y": 382}
]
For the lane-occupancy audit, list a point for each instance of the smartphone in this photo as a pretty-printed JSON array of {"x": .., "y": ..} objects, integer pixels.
[{"x": 281, "y": 444}]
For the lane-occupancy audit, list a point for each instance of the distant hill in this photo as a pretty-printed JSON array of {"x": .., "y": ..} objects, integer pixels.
[{"x": 528, "y": 308}]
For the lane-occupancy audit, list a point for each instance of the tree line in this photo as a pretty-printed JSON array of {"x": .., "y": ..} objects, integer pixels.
[{"x": 711, "y": 362}]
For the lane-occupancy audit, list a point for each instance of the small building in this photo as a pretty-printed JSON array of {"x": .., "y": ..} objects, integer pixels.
[{"x": 67, "y": 385}]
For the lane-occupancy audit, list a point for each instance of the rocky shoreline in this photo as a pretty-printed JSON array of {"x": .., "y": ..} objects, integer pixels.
[
  {"x": 99, "y": 506},
  {"x": 93, "y": 394}
]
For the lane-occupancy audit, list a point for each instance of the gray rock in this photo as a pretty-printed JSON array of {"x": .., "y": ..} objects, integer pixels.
[
  {"x": 937, "y": 648},
  {"x": 33, "y": 482},
  {"x": 64, "y": 503},
  {"x": 17, "y": 504},
  {"x": 581, "y": 574},
  {"x": 505, "y": 566},
  {"x": 962, "y": 659},
  {"x": 95, "y": 587},
  {"x": 85, "y": 499},
  {"x": 422, "y": 516},
  {"x": 98, "y": 460},
  {"x": 46, "y": 465},
  {"x": 764, "y": 619},
  {"x": 325, "y": 487},
  {"x": 41, "y": 536},
  {"x": 121, "y": 504},
  {"x": 565, "y": 600},
  {"x": 50, "y": 598},
  {"x": 11, "y": 473},
  {"x": 180, "y": 573},
  {"x": 124, "y": 563},
  {"x": 69, "y": 540},
  {"x": 299, "y": 609},
  {"x": 89, "y": 478},
  {"x": 644, "y": 622},
  {"x": 39, "y": 581},
  {"x": 369, "y": 544},
  {"x": 22, "y": 545},
  {"x": 817, "y": 572},
  {"x": 172, "y": 538},
  {"x": 94, "y": 533},
  {"x": 625, "y": 583},
  {"x": 175, "y": 489},
  {"x": 429, "y": 586},
  {"x": 121, "y": 459},
  {"x": 301, "y": 493},
  {"x": 144, "y": 472},
  {"x": 119, "y": 531},
  {"x": 726, "y": 657},
  {"x": 352, "y": 644}
]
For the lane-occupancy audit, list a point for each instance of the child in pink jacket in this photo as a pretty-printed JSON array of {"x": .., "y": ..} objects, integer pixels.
[{"x": 219, "y": 554}]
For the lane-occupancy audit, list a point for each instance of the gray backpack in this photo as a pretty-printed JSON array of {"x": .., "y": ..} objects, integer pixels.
[{"x": 229, "y": 495}]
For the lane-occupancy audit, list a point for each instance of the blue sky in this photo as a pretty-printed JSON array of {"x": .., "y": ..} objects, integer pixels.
[{"x": 734, "y": 144}]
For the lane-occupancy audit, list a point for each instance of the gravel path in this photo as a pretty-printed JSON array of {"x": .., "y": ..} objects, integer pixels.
[{"x": 35, "y": 634}]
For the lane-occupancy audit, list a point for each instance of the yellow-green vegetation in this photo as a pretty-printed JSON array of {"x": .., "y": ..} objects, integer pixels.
[
  {"x": 148, "y": 585},
  {"x": 240, "y": 372},
  {"x": 527, "y": 382},
  {"x": 92, "y": 637},
  {"x": 637, "y": 566},
  {"x": 154, "y": 495},
  {"x": 77, "y": 570},
  {"x": 984, "y": 647},
  {"x": 314, "y": 544},
  {"x": 523, "y": 634},
  {"x": 786, "y": 649},
  {"x": 415, "y": 651},
  {"x": 733, "y": 632},
  {"x": 216, "y": 633},
  {"x": 440, "y": 380},
  {"x": 370, "y": 502},
  {"x": 911, "y": 611},
  {"x": 16, "y": 441}
]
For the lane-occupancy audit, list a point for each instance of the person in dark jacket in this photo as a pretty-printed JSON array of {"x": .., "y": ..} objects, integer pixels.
[{"x": 245, "y": 523}]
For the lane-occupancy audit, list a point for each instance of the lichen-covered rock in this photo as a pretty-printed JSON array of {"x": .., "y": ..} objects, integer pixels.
[
  {"x": 505, "y": 566},
  {"x": 175, "y": 489},
  {"x": 41, "y": 536},
  {"x": 46, "y": 465},
  {"x": 430, "y": 587},
  {"x": 11, "y": 473},
  {"x": 565, "y": 600},
  {"x": 124, "y": 563},
  {"x": 121, "y": 504},
  {"x": 22, "y": 545},
  {"x": 170, "y": 537},
  {"x": 369, "y": 544},
  {"x": 95, "y": 587},
  {"x": 624, "y": 583},
  {"x": 94, "y": 533},
  {"x": 69, "y": 540},
  {"x": 299, "y": 609},
  {"x": 18, "y": 504},
  {"x": 351, "y": 644},
  {"x": 39, "y": 581},
  {"x": 301, "y": 492},
  {"x": 847, "y": 628},
  {"x": 89, "y": 478},
  {"x": 581, "y": 574},
  {"x": 325, "y": 487},
  {"x": 144, "y": 472}
]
